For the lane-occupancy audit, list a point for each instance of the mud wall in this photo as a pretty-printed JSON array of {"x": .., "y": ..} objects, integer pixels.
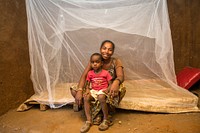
[
  {"x": 15, "y": 83},
  {"x": 185, "y": 28}
]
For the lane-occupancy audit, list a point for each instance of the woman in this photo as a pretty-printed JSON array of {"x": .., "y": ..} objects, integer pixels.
[{"x": 115, "y": 68}]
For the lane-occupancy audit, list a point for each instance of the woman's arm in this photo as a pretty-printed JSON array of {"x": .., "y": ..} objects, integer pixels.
[
  {"x": 87, "y": 88},
  {"x": 82, "y": 80},
  {"x": 120, "y": 74},
  {"x": 114, "y": 90},
  {"x": 81, "y": 84}
]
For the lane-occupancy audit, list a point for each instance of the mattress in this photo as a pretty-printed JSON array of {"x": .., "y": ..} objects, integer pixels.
[{"x": 150, "y": 95}]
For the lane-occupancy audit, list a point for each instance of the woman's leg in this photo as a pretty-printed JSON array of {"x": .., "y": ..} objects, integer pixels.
[
  {"x": 73, "y": 92},
  {"x": 75, "y": 105}
]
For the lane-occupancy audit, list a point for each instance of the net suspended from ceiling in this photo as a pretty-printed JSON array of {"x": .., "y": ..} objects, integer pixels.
[{"x": 64, "y": 33}]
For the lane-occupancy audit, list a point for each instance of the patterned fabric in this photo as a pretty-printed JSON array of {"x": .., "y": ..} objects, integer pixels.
[{"x": 95, "y": 93}]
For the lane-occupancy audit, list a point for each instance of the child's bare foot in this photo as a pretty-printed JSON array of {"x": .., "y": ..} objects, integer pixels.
[{"x": 86, "y": 127}]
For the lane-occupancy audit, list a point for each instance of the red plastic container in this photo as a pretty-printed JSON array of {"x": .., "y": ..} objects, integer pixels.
[{"x": 188, "y": 77}]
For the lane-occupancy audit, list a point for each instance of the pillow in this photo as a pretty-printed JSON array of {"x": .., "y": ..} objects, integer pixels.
[{"x": 187, "y": 77}]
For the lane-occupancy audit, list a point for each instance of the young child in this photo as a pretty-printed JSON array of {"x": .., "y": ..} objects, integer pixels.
[{"x": 98, "y": 82}]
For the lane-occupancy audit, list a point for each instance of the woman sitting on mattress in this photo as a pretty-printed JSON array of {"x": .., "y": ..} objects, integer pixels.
[{"x": 117, "y": 91}]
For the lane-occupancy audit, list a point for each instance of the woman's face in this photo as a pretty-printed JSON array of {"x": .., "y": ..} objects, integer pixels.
[{"x": 107, "y": 50}]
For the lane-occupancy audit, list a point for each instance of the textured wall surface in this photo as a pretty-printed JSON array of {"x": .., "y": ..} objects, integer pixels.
[
  {"x": 185, "y": 28},
  {"x": 15, "y": 83}
]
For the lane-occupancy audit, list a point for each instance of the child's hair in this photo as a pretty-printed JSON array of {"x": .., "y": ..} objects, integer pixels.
[
  {"x": 105, "y": 41},
  {"x": 97, "y": 54}
]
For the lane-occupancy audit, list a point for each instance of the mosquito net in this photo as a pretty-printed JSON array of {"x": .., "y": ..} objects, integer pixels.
[{"x": 64, "y": 33}]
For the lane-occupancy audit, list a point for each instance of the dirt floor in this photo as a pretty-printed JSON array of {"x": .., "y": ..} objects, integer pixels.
[{"x": 65, "y": 120}]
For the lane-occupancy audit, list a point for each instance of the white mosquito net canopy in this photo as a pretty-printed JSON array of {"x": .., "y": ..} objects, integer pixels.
[{"x": 64, "y": 33}]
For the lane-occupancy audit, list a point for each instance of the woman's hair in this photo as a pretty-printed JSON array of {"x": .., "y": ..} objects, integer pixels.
[
  {"x": 105, "y": 41},
  {"x": 96, "y": 54}
]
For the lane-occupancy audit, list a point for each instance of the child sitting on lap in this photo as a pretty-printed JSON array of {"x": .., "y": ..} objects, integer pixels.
[{"x": 97, "y": 87}]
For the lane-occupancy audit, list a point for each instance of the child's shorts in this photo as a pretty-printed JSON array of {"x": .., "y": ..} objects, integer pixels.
[{"x": 95, "y": 93}]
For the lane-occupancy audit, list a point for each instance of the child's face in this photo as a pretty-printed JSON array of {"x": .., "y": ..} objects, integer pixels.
[{"x": 96, "y": 62}]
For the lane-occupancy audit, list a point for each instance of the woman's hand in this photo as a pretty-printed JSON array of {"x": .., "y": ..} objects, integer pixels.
[
  {"x": 114, "y": 89},
  {"x": 114, "y": 92},
  {"x": 78, "y": 98},
  {"x": 87, "y": 92}
]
